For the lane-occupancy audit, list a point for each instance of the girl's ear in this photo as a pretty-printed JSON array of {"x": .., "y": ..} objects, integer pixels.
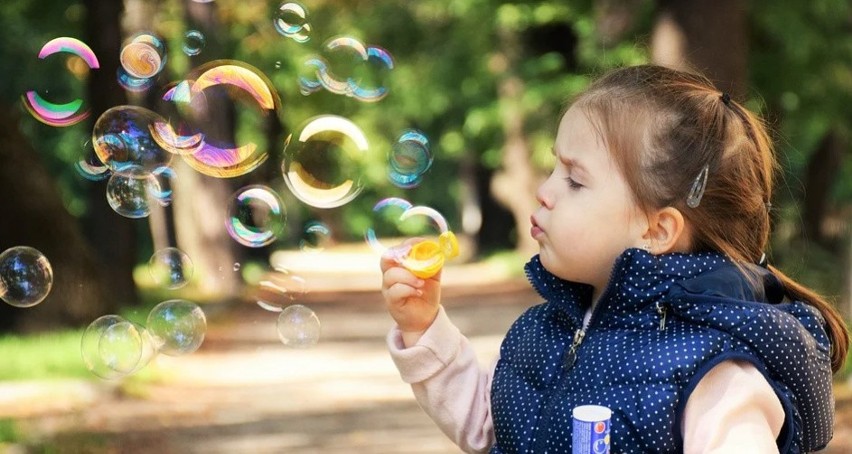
[{"x": 667, "y": 232}]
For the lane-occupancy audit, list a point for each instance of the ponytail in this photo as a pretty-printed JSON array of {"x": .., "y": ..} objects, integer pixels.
[{"x": 834, "y": 325}]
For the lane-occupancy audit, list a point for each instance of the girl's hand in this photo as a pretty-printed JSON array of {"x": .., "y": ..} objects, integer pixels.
[{"x": 412, "y": 302}]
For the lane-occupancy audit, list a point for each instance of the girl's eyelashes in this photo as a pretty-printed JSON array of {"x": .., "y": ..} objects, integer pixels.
[{"x": 573, "y": 184}]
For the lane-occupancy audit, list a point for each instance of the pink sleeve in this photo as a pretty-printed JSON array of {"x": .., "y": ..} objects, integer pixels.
[
  {"x": 733, "y": 409},
  {"x": 448, "y": 382}
]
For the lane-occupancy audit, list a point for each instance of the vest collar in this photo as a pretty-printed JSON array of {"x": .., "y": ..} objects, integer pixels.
[{"x": 638, "y": 278}]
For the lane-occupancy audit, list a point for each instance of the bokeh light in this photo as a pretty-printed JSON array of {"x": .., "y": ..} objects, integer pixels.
[
  {"x": 26, "y": 276},
  {"x": 298, "y": 326},
  {"x": 324, "y": 161},
  {"x": 177, "y": 326},
  {"x": 171, "y": 268}
]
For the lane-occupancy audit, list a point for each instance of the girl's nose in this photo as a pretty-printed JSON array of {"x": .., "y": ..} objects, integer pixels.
[{"x": 542, "y": 196}]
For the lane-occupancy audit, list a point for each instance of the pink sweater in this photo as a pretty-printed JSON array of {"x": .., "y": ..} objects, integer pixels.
[{"x": 733, "y": 408}]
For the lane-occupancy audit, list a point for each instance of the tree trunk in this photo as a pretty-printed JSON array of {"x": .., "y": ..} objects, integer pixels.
[
  {"x": 515, "y": 183},
  {"x": 710, "y": 36},
  {"x": 113, "y": 237},
  {"x": 820, "y": 177},
  {"x": 200, "y": 201},
  {"x": 34, "y": 215}
]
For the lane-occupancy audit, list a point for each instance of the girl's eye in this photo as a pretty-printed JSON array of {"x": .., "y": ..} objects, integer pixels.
[{"x": 573, "y": 184}]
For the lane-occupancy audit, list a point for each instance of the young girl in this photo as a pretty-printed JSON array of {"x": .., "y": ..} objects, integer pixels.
[{"x": 659, "y": 303}]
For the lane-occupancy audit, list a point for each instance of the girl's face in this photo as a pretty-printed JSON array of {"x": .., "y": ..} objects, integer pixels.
[{"x": 587, "y": 216}]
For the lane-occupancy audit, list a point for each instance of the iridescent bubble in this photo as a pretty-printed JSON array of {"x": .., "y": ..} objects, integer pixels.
[
  {"x": 193, "y": 42},
  {"x": 385, "y": 223},
  {"x": 91, "y": 171},
  {"x": 256, "y": 216},
  {"x": 127, "y": 192},
  {"x": 278, "y": 289},
  {"x": 171, "y": 268},
  {"x": 122, "y": 139},
  {"x": 324, "y": 161},
  {"x": 221, "y": 84},
  {"x": 161, "y": 184},
  {"x": 290, "y": 21},
  {"x": 133, "y": 83},
  {"x": 315, "y": 237},
  {"x": 298, "y": 327},
  {"x": 26, "y": 276},
  {"x": 177, "y": 326},
  {"x": 409, "y": 159},
  {"x": 358, "y": 71},
  {"x": 112, "y": 347},
  {"x": 64, "y": 114},
  {"x": 144, "y": 56}
]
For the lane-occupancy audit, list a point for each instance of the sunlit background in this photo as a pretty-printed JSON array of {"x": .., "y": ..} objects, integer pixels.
[{"x": 194, "y": 196}]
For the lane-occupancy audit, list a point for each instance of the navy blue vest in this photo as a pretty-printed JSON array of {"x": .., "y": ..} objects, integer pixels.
[{"x": 661, "y": 324}]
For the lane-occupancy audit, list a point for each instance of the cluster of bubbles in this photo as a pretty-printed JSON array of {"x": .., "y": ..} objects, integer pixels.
[
  {"x": 113, "y": 347},
  {"x": 323, "y": 166},
  {"x": 26, "y": 276},
  {"x": 291, "y": 21},
  {"x": 358, "y": 70}
]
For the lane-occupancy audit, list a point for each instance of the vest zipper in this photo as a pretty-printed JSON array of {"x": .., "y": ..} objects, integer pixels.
[
  {"x": 571, "y": 355},
  {"x": 662, "y": 311}
]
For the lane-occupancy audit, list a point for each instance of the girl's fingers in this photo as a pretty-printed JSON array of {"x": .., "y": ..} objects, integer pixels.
[
  {"x": 399, "y": 275},
  {"x": 400, "y": 292}
]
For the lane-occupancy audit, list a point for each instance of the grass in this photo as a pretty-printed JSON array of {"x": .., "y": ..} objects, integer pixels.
[{"x": 42, "y": 356}]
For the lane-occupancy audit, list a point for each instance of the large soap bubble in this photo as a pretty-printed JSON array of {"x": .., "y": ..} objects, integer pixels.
[
  {"x": 409, "y": 159},
  {"x": 128, "y": 192},
  {"x": 298, "y": 326},
  {"x": 325, "y": 160},
  {"x": 26, "y": 276},
  {"x": 170, "y": 267},
  {"x": 256, "y": 216},
  {"x": 113, "y": 347}
]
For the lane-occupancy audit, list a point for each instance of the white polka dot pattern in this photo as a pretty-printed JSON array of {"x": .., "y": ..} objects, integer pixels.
[{"x": 644, "y": 373}]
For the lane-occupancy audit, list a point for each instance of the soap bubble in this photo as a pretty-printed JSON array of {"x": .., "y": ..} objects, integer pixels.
[
  {"x": 350, "y": 69},
  {"x": 122, "y": 139},
  {"x": 218, "y": 87},
  {"x": 315, "y": 237},
  {"x": 26, "y": 276},
  {"x": 161, "y": 184},
  {"x": 69, "y": 113},
  {"x": 298, "y": 327},
  {"x": 113, "y": 347},
  {"x": 127, "y": 193},
  {"x": 170, "y": 267},
  {"x": 278, "y": 289},
  {"x": 144, "y": 56},
  {"x": 92, "y": 171},
  {"x": 324, "y": 161},
  {"x": 290, "y": 21},
  {"x": 193, "y": 42},
  {"x": 255, "y": 216},
  {"x": 385, "y": 222},
  {"x": 177, "y": 326},
  {"x": 409, "y": 159}
]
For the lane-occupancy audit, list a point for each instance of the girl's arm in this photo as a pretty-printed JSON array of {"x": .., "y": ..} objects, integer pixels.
[
  {"x": 733, "y": 409},
  {"x": 447, "y": 381}
]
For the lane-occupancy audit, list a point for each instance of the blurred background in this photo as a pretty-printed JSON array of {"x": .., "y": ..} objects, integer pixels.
[{"x": 478, "y": 84}]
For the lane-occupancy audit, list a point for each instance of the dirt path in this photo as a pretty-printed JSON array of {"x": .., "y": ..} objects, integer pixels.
[{"x": 243, "y": 391}]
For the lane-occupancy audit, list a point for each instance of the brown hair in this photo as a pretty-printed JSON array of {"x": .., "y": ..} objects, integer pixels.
[{"x": 663, "y": 126}]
